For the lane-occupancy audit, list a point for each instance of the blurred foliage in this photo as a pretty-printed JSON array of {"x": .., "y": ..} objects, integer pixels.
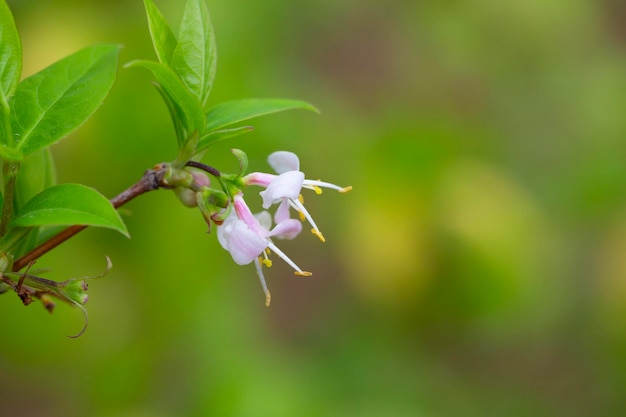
[{"x": 476, "y": 269}]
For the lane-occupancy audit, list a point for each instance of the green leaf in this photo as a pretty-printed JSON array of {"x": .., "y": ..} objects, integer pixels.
[
  {"x": 37, "y": 172},
  {"x": 195, "y": 56},
  {"x": 219, "y": 135},
  {"x": 69, "y": 204},
  {"x": 176, "y": 113},
  {"x": 182, "y": 102},
  {"x": 10, "y": 52},
  {"x": 163, "y": 38},
  {"x": 231, "y": 112},
  {"x": 57, "y": 100}
]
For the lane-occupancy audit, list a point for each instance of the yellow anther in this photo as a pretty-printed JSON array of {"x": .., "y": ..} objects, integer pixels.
[
  {"x": 268, "y": 251},
  {"x": 318, "y": 234},
  {"x": 267, "y": 262},
  {"x": 268, "y": 299},
  {"x": 346, "y": 189},
  {"x": 301, "y": 199},
  {"x": 303, "y": 273},
  {"x": 317, "y": 189}
]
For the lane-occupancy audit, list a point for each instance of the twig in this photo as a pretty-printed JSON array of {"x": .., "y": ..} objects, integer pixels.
[{"x": 151, "y": 180}]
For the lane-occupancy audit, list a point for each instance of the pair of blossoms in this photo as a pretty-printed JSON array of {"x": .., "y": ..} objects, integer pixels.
[{"x": 247, "y": 236}]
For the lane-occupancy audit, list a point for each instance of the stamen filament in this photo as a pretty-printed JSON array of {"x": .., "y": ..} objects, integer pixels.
[
  {"x": 311, "y": 184},
  {"x": 285, "y": 258},
  {"x": 259, "y": 271},
  {"x": 300, "y": 207}
]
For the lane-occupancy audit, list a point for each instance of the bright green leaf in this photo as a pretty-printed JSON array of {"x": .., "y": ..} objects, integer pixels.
[
  {"x": 195, "y": 56},
  {"x": 57, "y": 100},
  {"x": 176, "y": 113},
  {"x": 181, "y": 99},
  {"x": 69, "y": 204},
  {"x": 10, "y": 52},
  {"x": 231, "y": 112},
  {"x": 219, "y": 135},
  {"x": 163, "y": 38}
]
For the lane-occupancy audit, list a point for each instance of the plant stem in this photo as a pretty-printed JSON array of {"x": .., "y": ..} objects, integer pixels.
[
  {"x": 204, "y": 167},
  {"x": 151, "y": 180}
]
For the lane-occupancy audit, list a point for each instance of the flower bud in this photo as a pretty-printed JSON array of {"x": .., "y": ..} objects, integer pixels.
[
  {"x": 214, "y": 206},
  {"x": 188, "y": 195}
]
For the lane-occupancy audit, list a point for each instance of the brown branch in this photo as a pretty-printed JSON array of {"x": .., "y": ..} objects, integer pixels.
[{"x": 151, "y": 180}]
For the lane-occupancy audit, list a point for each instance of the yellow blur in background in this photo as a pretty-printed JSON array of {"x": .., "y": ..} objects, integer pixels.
[{"x": 477, "y": 268}]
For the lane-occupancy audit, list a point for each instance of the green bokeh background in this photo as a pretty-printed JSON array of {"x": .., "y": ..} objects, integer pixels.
[{"x": 478, "y": 267}]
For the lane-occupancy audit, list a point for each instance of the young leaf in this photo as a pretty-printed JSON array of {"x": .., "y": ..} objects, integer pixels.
[
  {"x": 54, "y": 102},
  {"x": 219, "y": 135},
  {"x": 231, "y": 112},
  {"x": 163, "y": 38},
  {"x": 195, "y": 56},
  {"x": 10, "y": 52},
  {"x": 69, "y": 204},
  {"x": 180, "y": 97}
]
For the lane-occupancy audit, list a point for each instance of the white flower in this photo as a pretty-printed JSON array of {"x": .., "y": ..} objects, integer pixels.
[
  {"x": 285, "y": 188},
  {"x": 248, "y": 238}
]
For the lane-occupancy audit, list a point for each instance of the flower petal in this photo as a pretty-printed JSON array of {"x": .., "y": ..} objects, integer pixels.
[
  {"x": 259, "y": 178},
  {"x": 245, "y": 214},
  {"x": 221, "y": 228},
  {"x": 287, "y": 229},
  {"x": 283, "y": 161},
  {"x": 243, "y": 244},
  {"x": 282, "y": 213},
  {"x": 286, "y": 185}
]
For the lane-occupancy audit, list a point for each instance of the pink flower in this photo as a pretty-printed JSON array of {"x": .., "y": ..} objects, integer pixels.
[{"x": 248, "y": 238}]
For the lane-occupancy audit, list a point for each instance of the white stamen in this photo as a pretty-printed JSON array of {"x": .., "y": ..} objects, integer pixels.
[
  {"x": 285, "y": 258},
  {"x": 259, "y": 271},
  {"x": 300, "y": 207},
  {"x": 311, "y": 184}
]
